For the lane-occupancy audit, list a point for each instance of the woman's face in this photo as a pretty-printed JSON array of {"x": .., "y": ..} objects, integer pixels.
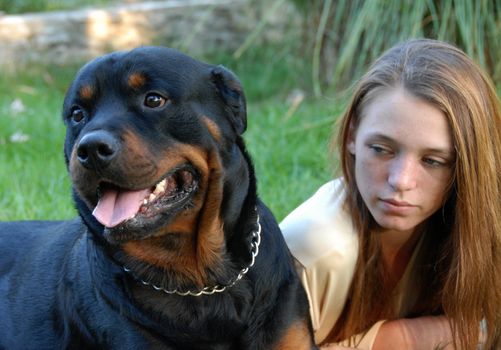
[{"x": 404, "y": 159}]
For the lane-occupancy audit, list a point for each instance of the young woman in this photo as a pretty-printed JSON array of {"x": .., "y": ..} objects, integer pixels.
[{"x": 404, "y": 251}]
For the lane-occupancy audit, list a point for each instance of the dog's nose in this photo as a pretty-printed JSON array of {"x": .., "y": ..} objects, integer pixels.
[{"x": 97, "y": 149}]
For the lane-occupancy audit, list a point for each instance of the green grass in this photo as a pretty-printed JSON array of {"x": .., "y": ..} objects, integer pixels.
[
  {"x": 289, "y": 149},
  {"x": 23, "y": 6},
  {"x": 33, "y": 180},
  {"x": 290, "y": 154}
]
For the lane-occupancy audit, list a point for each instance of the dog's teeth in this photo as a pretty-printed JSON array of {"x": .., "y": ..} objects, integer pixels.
[
  {"x": 160, "y": 187},
  {"x": 152, "y": 197},
  {"x": 145, "y": 201}
]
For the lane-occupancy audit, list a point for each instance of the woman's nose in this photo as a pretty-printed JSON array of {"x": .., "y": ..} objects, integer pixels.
[{"x": 403, "y": 173}]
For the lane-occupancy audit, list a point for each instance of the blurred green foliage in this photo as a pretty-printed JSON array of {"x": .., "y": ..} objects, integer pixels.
[
  {"x": 22, "y": 6},
  {"x": 344, "y": 36}
]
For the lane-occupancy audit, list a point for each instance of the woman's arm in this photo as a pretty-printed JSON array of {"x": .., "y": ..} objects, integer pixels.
[{"x": 421, "y": 333}]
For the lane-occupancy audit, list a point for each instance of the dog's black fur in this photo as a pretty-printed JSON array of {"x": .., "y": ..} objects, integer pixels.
[{"x": 133, "y": 119}]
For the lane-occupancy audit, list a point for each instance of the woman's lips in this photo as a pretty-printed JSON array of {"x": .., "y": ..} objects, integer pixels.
[
  {"x": 397, "y": 203},
  {"x": 395, "y": 206}
]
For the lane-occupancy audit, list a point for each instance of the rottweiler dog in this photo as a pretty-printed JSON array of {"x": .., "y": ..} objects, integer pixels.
[{"x": 172, "y": 249}]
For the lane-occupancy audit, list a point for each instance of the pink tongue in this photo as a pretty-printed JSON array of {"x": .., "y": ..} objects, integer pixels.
[{"x": 115, "y": 207}]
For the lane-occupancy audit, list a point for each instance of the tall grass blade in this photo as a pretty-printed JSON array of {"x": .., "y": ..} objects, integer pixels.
[{"x": 318, "y": 46}]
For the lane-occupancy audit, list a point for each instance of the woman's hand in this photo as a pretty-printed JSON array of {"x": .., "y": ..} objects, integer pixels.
[{"x": 421, "y": 333}]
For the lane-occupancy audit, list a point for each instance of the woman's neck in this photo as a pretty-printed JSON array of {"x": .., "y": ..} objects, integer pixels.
[{"x": 397, "y": 248}]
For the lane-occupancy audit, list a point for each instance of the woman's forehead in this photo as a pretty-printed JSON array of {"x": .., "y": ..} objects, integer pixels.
[{"x": 400, "y": 116}]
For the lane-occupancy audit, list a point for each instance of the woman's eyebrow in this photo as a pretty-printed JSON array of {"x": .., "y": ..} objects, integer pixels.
[{"x": 380, "y": 137}]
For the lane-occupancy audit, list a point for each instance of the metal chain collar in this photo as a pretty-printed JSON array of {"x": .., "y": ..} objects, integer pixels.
[{"x": 256, "y": 240}]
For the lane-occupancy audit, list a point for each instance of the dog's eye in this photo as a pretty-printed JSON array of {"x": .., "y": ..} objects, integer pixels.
[
  {"x": 77, "y": 114},
  {"x": 153, "y": 100}
]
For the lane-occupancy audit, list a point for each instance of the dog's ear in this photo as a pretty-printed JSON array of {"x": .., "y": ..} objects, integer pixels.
[{"x": 230, "y": 90}]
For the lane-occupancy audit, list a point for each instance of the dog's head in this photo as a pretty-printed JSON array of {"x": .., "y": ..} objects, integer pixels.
[{"x": 152, "y": 144}]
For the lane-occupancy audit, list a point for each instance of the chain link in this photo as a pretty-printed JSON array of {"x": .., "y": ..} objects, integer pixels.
[{"x": 256, "y": 240}]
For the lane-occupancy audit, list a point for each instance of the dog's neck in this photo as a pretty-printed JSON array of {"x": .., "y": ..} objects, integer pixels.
[
  {"x": 148, "y": 279},
  {"x": 213, "y": 289}
]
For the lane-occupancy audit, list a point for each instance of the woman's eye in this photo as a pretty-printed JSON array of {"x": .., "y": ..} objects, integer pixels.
[
  {"x": 77, "y": 114},
  {"x": 434, "y": 162},
  {"x": 153, "y": 100},
  {"x": 379, "y": 149}
]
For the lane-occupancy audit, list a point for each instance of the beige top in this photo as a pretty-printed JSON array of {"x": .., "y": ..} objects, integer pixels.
[{"x": 322, "y": 239}]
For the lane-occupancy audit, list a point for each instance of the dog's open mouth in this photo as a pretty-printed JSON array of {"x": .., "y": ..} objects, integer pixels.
[{"x": 117, "y": 206}]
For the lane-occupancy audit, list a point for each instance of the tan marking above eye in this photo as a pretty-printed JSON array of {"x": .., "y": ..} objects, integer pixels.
[
  {"x": 86, "y": 92},
  {"x": 136, "y": 80}
]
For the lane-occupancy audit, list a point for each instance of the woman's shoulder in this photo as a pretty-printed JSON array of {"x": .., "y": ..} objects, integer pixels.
[{"x": 321, "y": 227}]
